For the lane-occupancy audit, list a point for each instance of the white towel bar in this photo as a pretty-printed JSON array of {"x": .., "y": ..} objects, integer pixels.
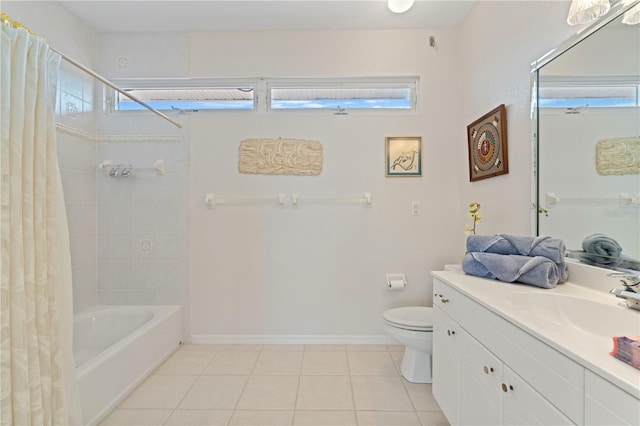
[
  {"x": 623, "y": 200},
  {"x": 211, "y": 201},
  {"x": 365, "y": 199}
]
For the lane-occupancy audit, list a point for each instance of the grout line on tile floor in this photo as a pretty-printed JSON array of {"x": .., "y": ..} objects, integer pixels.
[{"x": 295, "y": 413}]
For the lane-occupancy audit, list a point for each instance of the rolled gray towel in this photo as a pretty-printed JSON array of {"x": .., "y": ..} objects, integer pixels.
[
  {"x": 538, "y": 270},
  {"x": 601, "y": 250},
  {"x": 551, "y": 248}
]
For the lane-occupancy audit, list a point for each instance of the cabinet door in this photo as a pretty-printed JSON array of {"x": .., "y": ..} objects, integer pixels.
[
  {"x": 479, "y": 381},
  {"x": 445, "y": 364},
  {"x": 607, "y": 404},
  {"x": 523, "y": 405}
]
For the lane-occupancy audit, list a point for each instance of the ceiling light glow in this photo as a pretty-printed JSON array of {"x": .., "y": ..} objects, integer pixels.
[
  {"x": 631, "y": 16},
  {"x": 585, "y": 11},
  {"x": 399, "y": 6}
]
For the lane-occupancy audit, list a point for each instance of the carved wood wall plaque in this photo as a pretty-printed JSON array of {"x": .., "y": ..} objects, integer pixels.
[
  {"x": 296, "y": 157},
  {"x": 619, "y": 156}
]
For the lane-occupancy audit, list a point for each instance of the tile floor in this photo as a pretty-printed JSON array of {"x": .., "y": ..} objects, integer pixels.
[{"x": 280, "y": 385}]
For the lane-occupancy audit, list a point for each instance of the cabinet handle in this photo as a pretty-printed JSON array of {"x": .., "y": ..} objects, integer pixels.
[
  {"x": 488, "y": 370},
  {"x": 442, "y": 298},
  {"x": 451, "y": 332},
  {"x": 506, "y": 388}
]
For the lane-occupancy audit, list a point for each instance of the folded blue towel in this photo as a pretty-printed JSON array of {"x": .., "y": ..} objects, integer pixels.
[
  {"x": 552, "y": 248},
  {"x": 538, "y": 270}
]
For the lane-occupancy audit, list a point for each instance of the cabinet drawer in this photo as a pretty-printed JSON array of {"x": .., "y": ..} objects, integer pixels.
[
  {"x": 607, "y": 404},
  {"x": 448, "y": 299}
]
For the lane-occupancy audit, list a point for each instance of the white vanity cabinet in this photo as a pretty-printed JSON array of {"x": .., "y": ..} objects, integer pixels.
[
  {"x": 605, "y": 403},
  {"x": 473, "y": 380},
  {"x": 479, "y": 392},
  {"x": 523, "y": 405},
  {"x": 445, "y": 364}
]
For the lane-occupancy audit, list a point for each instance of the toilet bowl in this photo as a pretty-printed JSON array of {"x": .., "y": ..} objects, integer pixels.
[{"x": 413, "y": 327}]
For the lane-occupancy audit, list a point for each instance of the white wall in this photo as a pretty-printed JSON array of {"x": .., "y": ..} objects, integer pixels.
[
  {"x": 319, "y": 270},
  {"x": 144, "y": 208},
  {"x": 75, "y": 108},
  {"x": 618, "y": 53},
  {"x": 498, "y": 42}
]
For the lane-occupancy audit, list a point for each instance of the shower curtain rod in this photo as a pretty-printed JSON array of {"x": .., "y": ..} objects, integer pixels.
[{"x": 114, "y": 87}]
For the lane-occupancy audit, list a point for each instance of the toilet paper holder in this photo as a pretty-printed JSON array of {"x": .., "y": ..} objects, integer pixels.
[{"x": 396, "y": 281}]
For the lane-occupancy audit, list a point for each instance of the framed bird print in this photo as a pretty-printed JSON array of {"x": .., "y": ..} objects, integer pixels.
[
  {"x": 403, "y": 156},
  {"x": 487, "y": 143}
]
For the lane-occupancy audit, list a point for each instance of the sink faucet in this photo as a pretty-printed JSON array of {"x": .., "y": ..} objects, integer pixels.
[
  {"x": 628, "y": 280},
  {"x": 629, "y": 292}
]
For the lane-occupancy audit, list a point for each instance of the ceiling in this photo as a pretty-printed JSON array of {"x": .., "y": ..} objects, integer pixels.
[{"x": 247, "y": 15}]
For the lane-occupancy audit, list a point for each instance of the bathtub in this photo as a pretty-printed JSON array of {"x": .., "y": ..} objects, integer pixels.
[{"x": 116, "y": 348}]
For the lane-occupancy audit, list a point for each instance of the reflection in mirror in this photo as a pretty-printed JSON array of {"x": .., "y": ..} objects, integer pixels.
[{"x": 588, "y": 147}]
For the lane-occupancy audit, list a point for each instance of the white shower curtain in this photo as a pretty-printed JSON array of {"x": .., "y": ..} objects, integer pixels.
[{"x": 37, "y": 376}]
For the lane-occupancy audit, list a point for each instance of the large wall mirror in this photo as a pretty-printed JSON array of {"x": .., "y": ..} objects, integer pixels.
[{"x": 587, "y": 143}]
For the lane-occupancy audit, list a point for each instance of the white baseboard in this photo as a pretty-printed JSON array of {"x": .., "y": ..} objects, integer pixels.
[{"x": 287, "y": 339}]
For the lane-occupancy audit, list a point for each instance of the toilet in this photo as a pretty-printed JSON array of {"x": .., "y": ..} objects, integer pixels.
[{"x": 413, "y": 327}]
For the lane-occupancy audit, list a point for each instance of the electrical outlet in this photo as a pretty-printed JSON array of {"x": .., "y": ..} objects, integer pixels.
[{"x": 415, "y": 208}]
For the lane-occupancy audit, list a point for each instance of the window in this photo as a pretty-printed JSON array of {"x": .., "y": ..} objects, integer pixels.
[
  {"x": 337, "y": 94},
  {"x": 343, "y": 94},
  {"x": 186, "y": 95},
  {"x": 589, "y": 92}
]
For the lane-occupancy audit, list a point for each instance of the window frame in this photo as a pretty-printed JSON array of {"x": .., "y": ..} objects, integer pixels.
[
  {"x": 262, "y": 92},
  {"x": 111, "y": 96},
  {"x": 595, "y": 82},
  {"x": 410, "y": 82}
]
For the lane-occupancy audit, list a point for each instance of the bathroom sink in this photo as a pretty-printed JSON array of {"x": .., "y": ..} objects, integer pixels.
[{"x": 586, "y": 315}]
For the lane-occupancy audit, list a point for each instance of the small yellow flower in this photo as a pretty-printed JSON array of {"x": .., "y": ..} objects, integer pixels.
[{"x": 474, "y": 209}]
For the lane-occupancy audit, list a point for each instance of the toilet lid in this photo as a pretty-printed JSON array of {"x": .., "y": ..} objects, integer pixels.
[{"x": 410, "y": 316}]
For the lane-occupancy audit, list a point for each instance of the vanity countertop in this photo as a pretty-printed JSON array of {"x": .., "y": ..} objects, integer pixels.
[{"x": 587, "y": 349}]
